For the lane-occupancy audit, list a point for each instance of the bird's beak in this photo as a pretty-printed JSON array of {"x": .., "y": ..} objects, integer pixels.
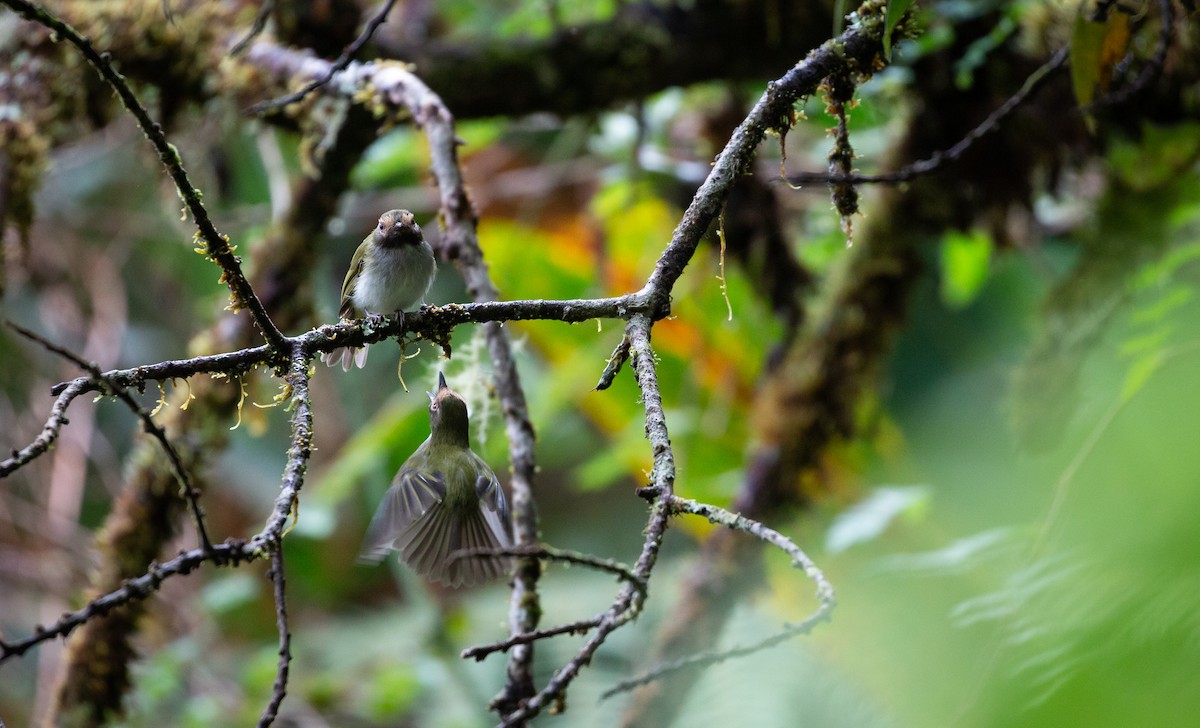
[{"x": 441, "y": 385}]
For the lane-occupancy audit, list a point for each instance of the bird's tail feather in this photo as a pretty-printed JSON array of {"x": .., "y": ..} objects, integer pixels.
[
  {"x": 427, "y": 545},
  {"x": 345, "y": 356}
]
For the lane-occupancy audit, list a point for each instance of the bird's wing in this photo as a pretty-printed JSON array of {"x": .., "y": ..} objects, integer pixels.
[
  {"x": 414, "y": 520},
  {"x": 428, "y": 542},
  {"x": 441, "y": 533},
  {"x": 411, "y": 496},
  {"x": 346, "y": 310},
  {"x": 494, "y": 507}
]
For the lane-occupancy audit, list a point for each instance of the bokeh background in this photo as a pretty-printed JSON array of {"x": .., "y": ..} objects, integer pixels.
[{"x": 1012, "y": 531}]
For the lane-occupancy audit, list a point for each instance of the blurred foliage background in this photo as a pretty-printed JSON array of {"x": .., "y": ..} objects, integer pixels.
[{"x": 1011, "y": 533}]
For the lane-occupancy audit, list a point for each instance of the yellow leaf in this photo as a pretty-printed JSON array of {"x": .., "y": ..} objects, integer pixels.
[{"x": 1096, "y": 48}]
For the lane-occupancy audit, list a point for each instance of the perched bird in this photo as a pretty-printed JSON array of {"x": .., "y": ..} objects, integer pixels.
[
  {"x": 444, "y": 498},
  {"x": 390, "y": 272}
]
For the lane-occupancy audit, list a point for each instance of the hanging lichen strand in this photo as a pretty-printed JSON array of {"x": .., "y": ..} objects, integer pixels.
[{"x": 839, "y": 90}]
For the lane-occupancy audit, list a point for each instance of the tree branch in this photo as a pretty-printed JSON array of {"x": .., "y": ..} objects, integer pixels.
[
  {"x": 279, "y": 689},
  {"x": 644, "y": 48},
  {"x": 482, "y": 651},
  {"x": 339, "y": 65},
  {"x": 930, "y": 164},
  {"x": 800, "y": 560},
  {"x": 629, "y": 599},
  {"x": 186, "y": 489},
  {"x": 215, "y": 245},
  {"x": 231, "y": 552},
  {"x": 852, "y": 51},
  {"x": 58, "y": 417}
]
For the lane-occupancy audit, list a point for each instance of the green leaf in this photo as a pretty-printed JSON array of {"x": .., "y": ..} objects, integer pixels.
[
  {"x": 258, "y": 670},
  {"x": 895, "y": 11},
  {"x": 1140, "y": 372},
  {"x": 965, "y": 261},
  {"x": 392, "y": 693},
  {"x": 391, "y": 161},
  {"x": 230, "y": 593},
  {"x": 1161, "y": 156},
  {"x": 376, "y": 449}
]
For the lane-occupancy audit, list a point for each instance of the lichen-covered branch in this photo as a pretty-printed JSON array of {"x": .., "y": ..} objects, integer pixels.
[
  {"x": 149, "y": 426},
  {"x": 49, "y": 433},
  {"x": 215, "y": 245},
  {"x": 393, "y": 91},
  {"x": 229, "y": 553},
  {"x": 644, "y": 48},
  {"x": 854, "y": 51},
  {"x": 279, "y": 689},
  {"x": 800, "y": 560},
  {"x": 629, "y": 599}
]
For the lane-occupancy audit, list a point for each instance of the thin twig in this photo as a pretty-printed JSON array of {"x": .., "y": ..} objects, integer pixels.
[
  {"x": 215, "y": 245},
  {"x": 151, "y": 427},
  {"x": 708, "y": 659},
  {"x": 613, "y": 366},
  {"x": 279, "y": 690},
  {"x": 549, "y": 553},
  {"x": 989, "y": 125},
  {"x": 231, "y": 552},
  {"x": 481, "y": 651},
  {"x": 337, "y": 66},
  {"x": 49, "y": 433},
  {"x": 800, "y": 560},
  {"x": 737, "y": 522},
  {"x": 256, "y": 29},
  {"x": 1153, "y": 67}
]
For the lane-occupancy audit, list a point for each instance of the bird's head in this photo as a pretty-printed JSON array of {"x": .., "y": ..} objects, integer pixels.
[{"x": 397, "y": 228}]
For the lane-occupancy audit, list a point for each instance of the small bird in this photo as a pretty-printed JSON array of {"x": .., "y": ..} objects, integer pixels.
[
  {"x": 391, "y": 270},
  {"x": 444, "y": 498}
]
